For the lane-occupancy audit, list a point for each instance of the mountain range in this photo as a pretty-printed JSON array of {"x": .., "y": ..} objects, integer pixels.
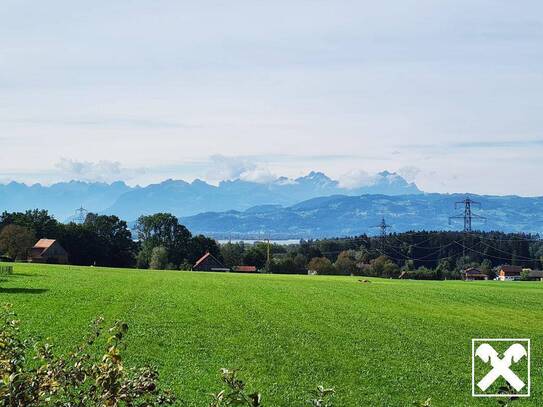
[
  {"x": 306, "y": 207},
  {"x": 341, "y": 215},
  {"x": 182, "y": 198}
]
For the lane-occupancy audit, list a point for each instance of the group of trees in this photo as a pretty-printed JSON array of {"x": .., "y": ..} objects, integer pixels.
[
  {"x": 164, "y": 243},
  {"x": 417, "y": 255},
  {"x": 100, "y": 240},
  {"x": 104, "y": 240}
]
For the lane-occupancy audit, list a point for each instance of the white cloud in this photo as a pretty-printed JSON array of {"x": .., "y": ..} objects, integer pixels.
[
  {"x": 409, "y": 172},
  {"x": 356, "y": 179},
  {"x": 105, "y": 171},
  {"x": 357, "y": 77},
  {"x": 229, "y": 168}
]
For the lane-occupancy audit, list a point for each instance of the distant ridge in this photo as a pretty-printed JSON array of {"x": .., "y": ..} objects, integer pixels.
[
  {"x": 182, "y": 198},
  {"x": 341, "y": 215}
]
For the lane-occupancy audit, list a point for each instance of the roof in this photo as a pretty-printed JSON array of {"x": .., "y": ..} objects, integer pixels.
[
  {"x": 201, "y": 259},
  {"x": 44, "y": 244},
  {"x": 508, "y": 269},
  {"x": 535, "y": 273},
  {"x": 247, "y": 269},
  {"x": 211, "y": 257},
  {"x": 472, "y": 270}
]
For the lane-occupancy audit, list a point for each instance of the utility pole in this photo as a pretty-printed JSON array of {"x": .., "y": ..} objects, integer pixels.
[
  {"x": 268, "y": 256},
  {"x": 81, "y": 215}
]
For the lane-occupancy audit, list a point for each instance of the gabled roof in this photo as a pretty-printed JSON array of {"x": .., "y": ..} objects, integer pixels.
[
  {"x": 204, "y": 257},
  {"x": 44, "y": 244},
  {"x": 201, "y": 259},
  {"x": 473, "y": 270},
  {"x": 508, "y": 269}
]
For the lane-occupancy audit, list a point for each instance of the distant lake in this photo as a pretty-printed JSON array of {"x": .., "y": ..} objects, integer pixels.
[{"x": 248, "y": 241}]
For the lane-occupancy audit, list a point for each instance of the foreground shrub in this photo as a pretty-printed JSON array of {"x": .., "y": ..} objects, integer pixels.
[
  {"x": 32, "y": 375},
  {"x": 236, "y": 395}
]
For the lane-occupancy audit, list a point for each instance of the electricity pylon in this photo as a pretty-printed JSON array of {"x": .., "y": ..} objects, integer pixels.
[
  {"x": 468, "y": 214},
  {"x": 81, "y": 215}
]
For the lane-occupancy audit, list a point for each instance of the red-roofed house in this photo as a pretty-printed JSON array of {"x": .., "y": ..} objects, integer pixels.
[
  {"x": 48, "y": 251},
  {"x": 244, "y": 269},
  {"x": 208, "y": 262}
]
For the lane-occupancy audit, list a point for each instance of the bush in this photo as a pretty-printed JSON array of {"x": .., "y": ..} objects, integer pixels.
[
  {"x": 159, "y": 258},
  {"x": 31, "y": 375},
  {"x": 346, "y": 262},
  {"x": 422, "y": 273},
  {"x": 76, "y": 379},
  {"x": 382, "y": 266},
  {"x": 16, "y": 241},
  {"x": 236, "y": 395},
  {"x": 321, "y": 265},
  {"x": 286, "y": 266}
]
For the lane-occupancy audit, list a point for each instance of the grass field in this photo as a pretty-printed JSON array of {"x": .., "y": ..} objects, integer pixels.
[{"x": 384, "y": 343}]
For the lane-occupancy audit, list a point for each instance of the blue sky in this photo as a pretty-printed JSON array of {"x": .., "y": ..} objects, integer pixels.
[{"x": 447, "y": 93}]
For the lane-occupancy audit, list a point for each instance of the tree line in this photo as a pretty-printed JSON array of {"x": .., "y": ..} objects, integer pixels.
[
  {"x": 418, "y": 255},
  {"x": 160, "y": 241},
  {"x": 105, "y": 240}
]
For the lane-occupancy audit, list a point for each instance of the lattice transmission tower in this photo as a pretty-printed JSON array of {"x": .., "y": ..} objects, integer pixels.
[{"x": 468, "y": 215}]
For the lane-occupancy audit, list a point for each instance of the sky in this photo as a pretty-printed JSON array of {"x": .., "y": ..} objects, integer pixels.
[{"x": 446, "y": 93}]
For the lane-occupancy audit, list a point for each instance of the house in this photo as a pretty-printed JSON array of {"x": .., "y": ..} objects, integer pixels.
[
  {"x": 509, "y": 273},
  {"x": 208, "y": 262},
  {"x": 534, "y": 275},
  {"x": 473, "y": 273},
  {"x": 244, "y": 269},
  {"x": 48, "y": 251}
]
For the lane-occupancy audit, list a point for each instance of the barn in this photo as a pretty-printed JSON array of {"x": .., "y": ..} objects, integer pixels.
[
  {"x": 473, "y": 273},
  {"x": 208, "y": 262},
  {"x": 509, "y": 273},
  {"x": 244, "y": 269},
  {"x": 48, "y": 251}
]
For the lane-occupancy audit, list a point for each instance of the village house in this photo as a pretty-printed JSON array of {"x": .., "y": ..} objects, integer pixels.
[
  {"x": 208, "y": 262},
  {"x": 509, "y": 273},
  {"x": 244, "y": 269},
  {"x": 48, "y": 251},
  {"x": 473, "y": 273},
  {"x": 533, "y": 275}
]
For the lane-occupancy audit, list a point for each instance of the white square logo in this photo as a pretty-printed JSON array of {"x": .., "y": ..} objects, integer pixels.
[{"x": 500, "y": 367}]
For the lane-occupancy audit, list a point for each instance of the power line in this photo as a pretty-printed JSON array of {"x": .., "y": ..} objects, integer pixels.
[{"x": 495, "y": 257}]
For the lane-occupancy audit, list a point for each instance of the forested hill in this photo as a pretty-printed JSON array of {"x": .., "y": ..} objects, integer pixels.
[{"x": 352, "y": 215}]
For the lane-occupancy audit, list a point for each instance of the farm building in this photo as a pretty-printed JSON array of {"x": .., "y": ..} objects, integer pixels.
[
  {"x": 509, "y": 273},
  {"x": 244, "y": 269},
  {"x": 48, "y": 251},
  {"x": 208, "y": 262},
  {"x": 534, "y": 275},
  {"x": 473, "y": 273}
]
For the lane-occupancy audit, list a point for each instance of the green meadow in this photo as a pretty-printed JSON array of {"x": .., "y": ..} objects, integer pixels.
[{"x": 377, "y": 343}]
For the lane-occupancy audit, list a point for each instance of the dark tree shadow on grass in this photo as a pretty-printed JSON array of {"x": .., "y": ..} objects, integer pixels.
[
  {"x": 25, "y": 275},
  {"x": 20, "y": 290}
]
